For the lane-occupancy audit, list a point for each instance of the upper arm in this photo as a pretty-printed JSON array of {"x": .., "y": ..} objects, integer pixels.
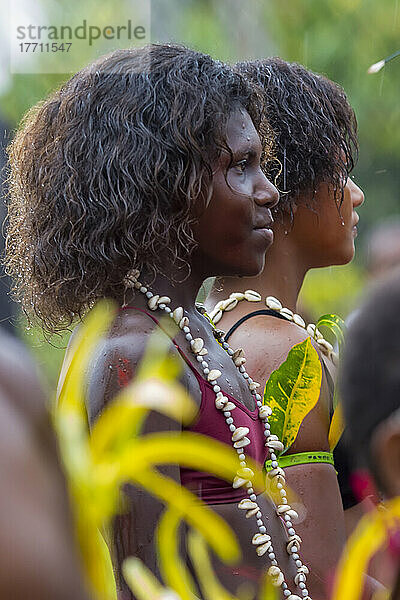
[{"x": 271, "y": 342}]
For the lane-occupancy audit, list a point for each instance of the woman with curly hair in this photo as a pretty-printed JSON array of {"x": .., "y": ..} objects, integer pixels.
[
  {"x": 136, "y": 180},
  {"x": 315, "y": 226}
]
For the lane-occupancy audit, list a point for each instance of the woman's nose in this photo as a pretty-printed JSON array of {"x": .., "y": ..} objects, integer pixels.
[
  {"x": 266, "y": 194},
  {"x": 357, "y": 195}
]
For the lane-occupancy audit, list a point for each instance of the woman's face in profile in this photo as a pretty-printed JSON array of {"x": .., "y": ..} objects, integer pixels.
[
  {"x": 234, "y": 231},
  {"x": 327, "y": 228}
]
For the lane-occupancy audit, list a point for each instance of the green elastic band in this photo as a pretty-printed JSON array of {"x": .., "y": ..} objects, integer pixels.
[{"x": 302, "y": 458}]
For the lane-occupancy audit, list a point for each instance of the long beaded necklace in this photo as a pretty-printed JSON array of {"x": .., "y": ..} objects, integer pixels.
[
  {"x": 273, "y": 304},
  {"x": 261, "y": 540}
]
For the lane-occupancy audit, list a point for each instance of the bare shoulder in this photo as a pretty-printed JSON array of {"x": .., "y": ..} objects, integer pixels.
[
  {"x": 267, "y": 341},
  {"x": 118, "y": 357}
]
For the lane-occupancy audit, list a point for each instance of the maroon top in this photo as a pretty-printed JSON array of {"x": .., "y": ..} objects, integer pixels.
[{"x": 211, "y": 422}]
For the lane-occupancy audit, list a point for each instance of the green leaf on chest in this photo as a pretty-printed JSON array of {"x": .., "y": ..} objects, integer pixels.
[{"x": 293, "y": 390}]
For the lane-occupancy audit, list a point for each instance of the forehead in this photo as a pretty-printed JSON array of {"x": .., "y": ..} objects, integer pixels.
[{"x": 240, "y": 131}]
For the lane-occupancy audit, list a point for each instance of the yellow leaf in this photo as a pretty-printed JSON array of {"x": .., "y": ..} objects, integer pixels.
[
  {"x": 87, "y": 336},
  {"x": 293, "y": 390},
  {"x": 369, "y": 535},
  {"x": 336, "y": 428},
  {"x": 210, "y": 586},
  {"x": 189, "y": 450},
  {"x": 173, "y": 570},
  {"x": 121, "y": 420},
  {"x": 142, "y": 582},
  {"x": 197, "y": 514}
]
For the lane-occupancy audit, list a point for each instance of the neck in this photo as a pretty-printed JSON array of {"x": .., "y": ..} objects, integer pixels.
[
  {"x": 182, "y": 294},
  {"x": 282, "y": 276}
]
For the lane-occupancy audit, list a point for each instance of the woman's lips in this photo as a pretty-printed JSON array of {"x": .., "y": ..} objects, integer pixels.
[{"x": 265, "y": 232}]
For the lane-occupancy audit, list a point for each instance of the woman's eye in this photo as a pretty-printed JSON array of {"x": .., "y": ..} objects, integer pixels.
[{"x": 241, "y": 166}]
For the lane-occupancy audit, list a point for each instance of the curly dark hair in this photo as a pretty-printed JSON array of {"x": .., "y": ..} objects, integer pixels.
[
  {"x": 315, "y": 129},
  {"x": 104, "y": 174}
]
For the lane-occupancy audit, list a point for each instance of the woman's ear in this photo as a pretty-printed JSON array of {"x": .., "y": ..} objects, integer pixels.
[{"x": 385, "y": 446}]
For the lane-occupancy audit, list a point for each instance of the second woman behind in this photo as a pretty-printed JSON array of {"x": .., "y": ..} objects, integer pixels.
[{"x": 315, "y": 226}]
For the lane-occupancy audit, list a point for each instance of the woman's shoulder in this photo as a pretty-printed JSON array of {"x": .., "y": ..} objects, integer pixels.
[{"x": 267, "y": 341}]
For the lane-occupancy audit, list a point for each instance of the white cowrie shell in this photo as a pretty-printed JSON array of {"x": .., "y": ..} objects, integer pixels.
[
  {"x": 290, "y": 545},
  {"x": 311, "y": 329},
  {"x": 283, "y": 508},
  {"x": 273, "y": 303},
  {"x": 300, "y": 577},
  {"x": 318, "y": 334},
  {"x": 217, "y": 307},
  {"x": 303, "y": 569},
  {"x": 264, "y": 411},
  {"x": 237, "y": 295},
  {"x": 299, "y": 320},
  {"x": 197, "y": 345},
  {"x": 239, "y": 352},
  {"x": 221, "y": 402},
  {"x": 238, "y": 482},
  {"x": 325, "y": 345},
  {"x": 152, "y": 303},
  {"x": 294, "y": 597},
  {"x": 178, "y": 314},
  {"x": 252, "y": 512},
  {"x": 292, "y": 514},
  {"x": 296, "y": 538},
  {"x": 245, "y": 472},
  {"x": 247, "y": 504},
  {"x": 229, "y": 406},
  {"x": 184, "y": 322},
  {"x": 164, "y": 300},
  {"x": 214, "y": 374},
  {"x": 230, "y": 304},
  {"x": 253, "y": 386},
  {"x": 242, "y": 443},
  {"x": 217, "y": 317},
  {"x": 274, "y": 571},
  {"x": 275, "y": 445},
  {"x": 261, "y": 550},
  {"x": 276, "y": 576},
  {"x": 239, "y": 433},
  {"x": 287, "y": 313},
  {"x": 252, "y": 296},
  {"x": 260, "y": 538},
  {"x": 272, "y": 437},
  {"x": 274, "y": 472},
  {"x": 203, "y": 352},
  {"x": 239, "y": 361}
]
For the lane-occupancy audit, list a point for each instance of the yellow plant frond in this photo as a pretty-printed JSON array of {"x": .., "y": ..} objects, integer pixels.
[
  {"x": 122, "y": 419},
  {"x": 157, "y": 360},
  {"x": 210, "y": 587},
  {"x": 267, "y": 590},
  {"x": 143, "y": 583},
  {"x": 198, "y": 515},
  {"x": 172, "y": 568},
  {"x": 189, "y": 450},
  {"x": 96, "y": 561},
  {"x": 365, "y": 541},
  {"x": 336, "y": 428},
  {"x": 96, "y": 323}
]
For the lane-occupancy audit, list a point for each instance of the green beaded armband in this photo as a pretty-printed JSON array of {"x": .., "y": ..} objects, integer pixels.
[{"x": 302, "y": 458}]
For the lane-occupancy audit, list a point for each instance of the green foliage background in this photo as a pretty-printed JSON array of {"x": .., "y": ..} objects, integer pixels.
[{"x": 340, "y": 38}]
